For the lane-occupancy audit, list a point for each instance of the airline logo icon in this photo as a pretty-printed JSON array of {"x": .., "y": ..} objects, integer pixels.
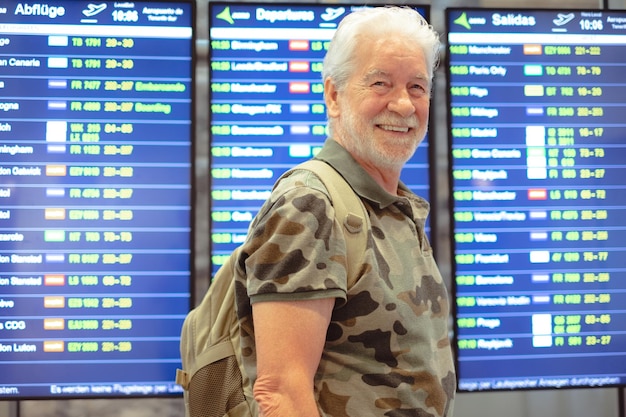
[
  {"x": 54, "y": 323},
  {"x": 299, "y": 45},
  {"x": 299, "y": 66},
  {"x": 54, "y": 346},
  {"x": 563, "y": 19},
  {"x": 94, "y": 9},
  {"x": 332, "y": 13}
]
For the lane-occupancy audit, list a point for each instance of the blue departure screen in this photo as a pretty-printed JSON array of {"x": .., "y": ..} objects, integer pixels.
[
  {"x": 267, "y": 106},
  {"x": 95, "y": 196},
  {"x": 538, "y": 151}
]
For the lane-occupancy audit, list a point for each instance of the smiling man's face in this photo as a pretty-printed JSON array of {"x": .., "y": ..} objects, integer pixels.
[{"x": 382, "y": 113}]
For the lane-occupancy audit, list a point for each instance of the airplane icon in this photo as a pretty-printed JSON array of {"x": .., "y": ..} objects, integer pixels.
[
  {"x": 333, "y": 13},
  {"x": 94, "y": 9},
  {"x": 563, "y": 19}
]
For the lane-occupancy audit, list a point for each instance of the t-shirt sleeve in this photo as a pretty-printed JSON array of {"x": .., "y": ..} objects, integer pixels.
[{"x": 295, "y": 249}]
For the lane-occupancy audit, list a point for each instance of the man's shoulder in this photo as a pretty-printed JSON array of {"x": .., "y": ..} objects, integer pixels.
[{"x": 300, "y": 181}]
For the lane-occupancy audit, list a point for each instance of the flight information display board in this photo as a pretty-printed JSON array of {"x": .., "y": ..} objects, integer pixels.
[
  {"x": 95, "y": 196},
  {"x": 267, "y": 106},
  {"x": 538, "y": 151}
]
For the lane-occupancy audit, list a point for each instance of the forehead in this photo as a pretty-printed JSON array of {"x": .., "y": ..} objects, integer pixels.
[{"x": 390, "y": 55}]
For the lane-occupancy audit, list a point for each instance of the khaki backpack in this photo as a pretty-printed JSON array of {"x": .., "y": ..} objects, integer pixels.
[{"x": 213, "y": 378}]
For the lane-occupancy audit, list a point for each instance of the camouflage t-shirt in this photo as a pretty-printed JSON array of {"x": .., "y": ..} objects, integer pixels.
[{"x": 387, "y": 350}]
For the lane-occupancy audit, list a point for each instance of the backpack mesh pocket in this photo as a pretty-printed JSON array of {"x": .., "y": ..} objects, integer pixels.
[{"x": 208, "y": 396}]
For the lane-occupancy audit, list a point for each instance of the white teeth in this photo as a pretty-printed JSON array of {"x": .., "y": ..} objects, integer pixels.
[{"x": 395, "y": 128}]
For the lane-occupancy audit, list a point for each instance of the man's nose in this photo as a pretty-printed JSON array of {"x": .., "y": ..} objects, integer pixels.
[{"x": 401, "y": 103}]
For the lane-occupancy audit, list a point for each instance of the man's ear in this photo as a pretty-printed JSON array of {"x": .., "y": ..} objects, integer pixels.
[{"x": 330, "y": 97}]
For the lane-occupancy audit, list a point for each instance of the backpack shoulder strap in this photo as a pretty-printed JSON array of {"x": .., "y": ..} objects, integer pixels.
[{"x": 349, "y": 210}]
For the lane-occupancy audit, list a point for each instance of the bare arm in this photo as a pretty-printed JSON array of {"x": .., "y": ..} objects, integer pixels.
[{"x": 289, "y": 337}]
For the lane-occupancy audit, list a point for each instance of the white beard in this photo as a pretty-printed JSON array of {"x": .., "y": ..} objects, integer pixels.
[{"x": 358, "y": 138}]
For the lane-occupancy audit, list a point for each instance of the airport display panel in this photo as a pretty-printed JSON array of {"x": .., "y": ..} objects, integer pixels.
[
  {"x": 95, "y": 196},
  {"x": 267, "y": 111},
  {"x": 537, "y": 151}
]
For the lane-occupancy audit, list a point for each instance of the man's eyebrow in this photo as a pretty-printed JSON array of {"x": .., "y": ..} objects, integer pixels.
[
  {"x": 375, "y": 73},
  {"x": 380, "y": 73},
  {"x": 422, "y": 77}
]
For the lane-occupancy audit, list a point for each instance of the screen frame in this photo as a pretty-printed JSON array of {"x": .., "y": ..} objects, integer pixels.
[
  {"x": 192, "y": 191},
  {"x": 449, "y": 122},
  {"x": 423, "y": 9}
]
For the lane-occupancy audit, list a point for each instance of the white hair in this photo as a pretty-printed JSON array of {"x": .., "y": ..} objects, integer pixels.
[{"x": 375, "y": 22}]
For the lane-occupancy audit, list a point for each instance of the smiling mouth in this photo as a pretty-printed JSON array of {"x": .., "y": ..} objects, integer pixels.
[{"x": 390, "y": 128}]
